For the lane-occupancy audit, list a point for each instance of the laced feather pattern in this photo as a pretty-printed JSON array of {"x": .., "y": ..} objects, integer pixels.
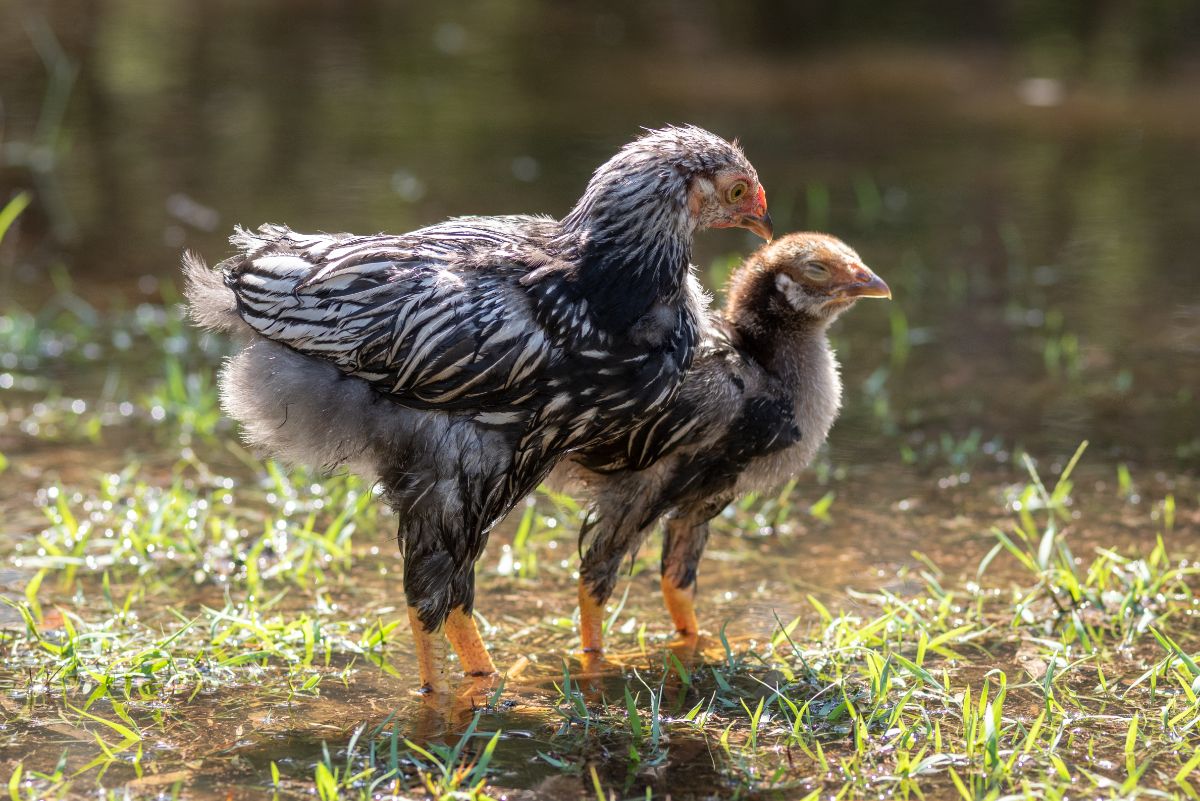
[{"x": 459, "y": 362}]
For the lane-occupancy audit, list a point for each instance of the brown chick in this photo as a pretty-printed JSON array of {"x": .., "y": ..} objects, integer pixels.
[{"x": 757, "y": 404}]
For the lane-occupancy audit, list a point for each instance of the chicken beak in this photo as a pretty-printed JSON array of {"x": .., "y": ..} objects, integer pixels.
[
  {"x": 866, "y": 284},
  {"x": 754, "y": 216},
  {"x": 758, "y": 223}
]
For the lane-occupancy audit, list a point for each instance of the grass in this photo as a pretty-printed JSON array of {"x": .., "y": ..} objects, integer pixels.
[
  {"x": 893, "y": 703},
  {"x": 904, "y": 694},
  {"x": 1009, "y": 682},
  {"x": 209, "y": 617},
  {"x": 193, "y": 528}
]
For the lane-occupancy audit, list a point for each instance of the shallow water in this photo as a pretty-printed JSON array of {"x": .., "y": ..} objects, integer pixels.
[{"x": 1040, "y": 240}]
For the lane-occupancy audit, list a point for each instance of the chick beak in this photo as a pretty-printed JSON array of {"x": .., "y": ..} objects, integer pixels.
[
  {"x": 865, "y": 284},
  {"x": 756, "y": 218}
]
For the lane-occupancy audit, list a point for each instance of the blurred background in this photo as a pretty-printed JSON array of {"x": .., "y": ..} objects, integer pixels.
[{"x": 1026, "y": 175}]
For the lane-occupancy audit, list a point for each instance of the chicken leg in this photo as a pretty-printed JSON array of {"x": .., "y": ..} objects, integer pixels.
[
  {"x": 610, "y": 535},
  {"x": 465, "y": 640},
  {"x": 460, "y": 633},
  {"x": 430, "y": 647}
]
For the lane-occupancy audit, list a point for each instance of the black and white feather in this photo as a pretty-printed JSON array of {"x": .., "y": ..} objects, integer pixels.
[{"x": 457, "y": 363}]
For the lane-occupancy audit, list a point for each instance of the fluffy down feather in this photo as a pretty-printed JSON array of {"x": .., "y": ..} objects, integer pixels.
[
  {"x": 459, "y": 362},
  {"x": 758, "y": 403}
]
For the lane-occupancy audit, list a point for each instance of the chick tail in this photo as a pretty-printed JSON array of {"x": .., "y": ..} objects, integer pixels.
[{"x": 211, "y": 304}]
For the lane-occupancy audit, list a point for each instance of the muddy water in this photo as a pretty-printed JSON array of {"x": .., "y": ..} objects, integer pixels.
[{"x": 1040, "y": 239}]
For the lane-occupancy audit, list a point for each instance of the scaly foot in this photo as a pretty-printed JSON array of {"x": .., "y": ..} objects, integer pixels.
[
  {"x": 464, "y": 638},
  {"x": 681, "y": 603},
  {"x": 430, "y": 647},
  {"x": 591, "y": 621}
]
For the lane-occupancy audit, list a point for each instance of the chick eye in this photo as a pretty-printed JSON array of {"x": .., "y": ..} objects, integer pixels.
[
  {"x": 816, "y": 272},
  {"x": 737, "y": 191}
]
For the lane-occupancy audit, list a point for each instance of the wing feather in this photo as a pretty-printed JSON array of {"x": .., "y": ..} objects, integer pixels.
[
  {"x": 711, "y": 414},
  {"x": 404, "y": 313}
]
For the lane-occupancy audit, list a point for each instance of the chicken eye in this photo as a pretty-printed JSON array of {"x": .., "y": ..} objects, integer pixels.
[{"x": 737, "y": 191}]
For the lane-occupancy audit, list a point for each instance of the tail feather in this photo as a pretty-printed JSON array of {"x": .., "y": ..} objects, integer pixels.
[
  {"x": 267, "y": 236},
  {"x": 211, "y": 303}
]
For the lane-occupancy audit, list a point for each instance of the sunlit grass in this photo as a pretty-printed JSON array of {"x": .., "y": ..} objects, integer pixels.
[
  {"x": 1052, "y": 670},
  {"x": 910, "y": 696},
  {"x": 196, "y": 527}
]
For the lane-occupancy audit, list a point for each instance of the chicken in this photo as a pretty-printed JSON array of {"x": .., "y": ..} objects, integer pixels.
[
  {"x": 458, "y": 363},
  {"x": 757, "y": 404}
]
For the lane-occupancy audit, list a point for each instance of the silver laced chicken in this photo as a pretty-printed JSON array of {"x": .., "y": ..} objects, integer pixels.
[{"x": 458, "y": 363}]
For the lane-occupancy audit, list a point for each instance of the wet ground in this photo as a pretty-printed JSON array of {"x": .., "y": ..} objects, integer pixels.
[{"x": 1036, "y": 221}]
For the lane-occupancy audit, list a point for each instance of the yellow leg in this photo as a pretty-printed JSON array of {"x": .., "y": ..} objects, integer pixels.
[
  {"x": 681, "y": 603},
  {"x": 591, "y": 621},
  {"x": 466, "y": 642},
  {"x": 431, "y": 655}
]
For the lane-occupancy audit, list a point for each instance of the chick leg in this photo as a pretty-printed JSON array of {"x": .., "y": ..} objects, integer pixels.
[
  {"x": 610, "y": 535},
  {"x": 683, "y": 546},
  {"x": 591, "y": 619},
  {"x": 681, "y": 603}
]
